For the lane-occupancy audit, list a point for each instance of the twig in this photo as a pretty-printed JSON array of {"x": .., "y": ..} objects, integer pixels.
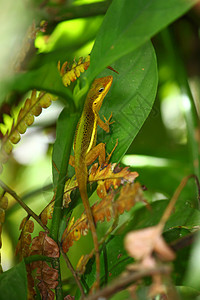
[
  {"x": 170, "y": 207},
  {"x": 37, "y": 191},
  {"x": 198, "y": 185},
  {"x": 27, "y": 49},
  {"x": 32, "y": 258},
  {"x": 125, "y": 280},
  {"x": 184, "y": 241},
  {"x": 69, "y": 265},
  {"x": 25, "y": 197},
  {"x": 25, "y": 207}
]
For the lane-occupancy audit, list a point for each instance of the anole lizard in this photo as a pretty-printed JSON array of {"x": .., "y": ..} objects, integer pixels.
[{"x": 86, "y": 150}]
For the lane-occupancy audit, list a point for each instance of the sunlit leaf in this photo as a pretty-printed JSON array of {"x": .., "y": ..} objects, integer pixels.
[{"x": 129, "y": 24}]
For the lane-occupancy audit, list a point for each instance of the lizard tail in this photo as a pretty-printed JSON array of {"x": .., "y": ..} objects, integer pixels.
[{"x": 81, "y": 176}]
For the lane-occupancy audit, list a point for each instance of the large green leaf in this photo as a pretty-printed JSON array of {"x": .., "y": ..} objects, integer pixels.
[
  {"x": 184, "y": 216},
  {"x": 129, "y": 24},
  {"x": 13, "y": 283},
  {"x": 130, "y": 98},
  {"x": 112, "y": 262}
]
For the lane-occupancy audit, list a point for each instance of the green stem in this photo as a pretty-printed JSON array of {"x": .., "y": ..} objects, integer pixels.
[
  {"x": 26, "y": 197},
  {"x": 70, "y": 267},
  {"x": 25, "y": 207},
  {"x": 105, "y": 258},
  {"x": 65, "y": 150},
  {"x": 62, "y": 179},
  {"x": 30, "y": 259},
  {"x": 59, "y": 292}
]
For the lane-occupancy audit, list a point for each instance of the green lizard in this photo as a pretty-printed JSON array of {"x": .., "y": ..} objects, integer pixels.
[{"x": 86, "y": 150}]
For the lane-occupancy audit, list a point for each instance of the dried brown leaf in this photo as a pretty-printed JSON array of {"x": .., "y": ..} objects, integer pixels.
[
  {"x": 70, "y": 73},
  {"x": 51, "y": 249},
  {"x": 31, "y": 284},
  {"x": 44, "y": 245},
  {"x": 45, "y": 291},
  {"x": 110, "y": 176},
  {"x": 23, "y": 245},
  {"x": 48, "y": 275},
  {"x": 140, "y": 244},
  {"x": 69, "y": 297},
  {"x": 70, "y": 185},
  {"x": 47, "y": 213},
  {"x": 4, "y": 202},
  {"x": 107, "y": 209}
]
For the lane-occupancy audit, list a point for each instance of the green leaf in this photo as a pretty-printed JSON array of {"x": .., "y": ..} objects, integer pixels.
[
  {"x": 45, "y": 78},
  {"x": 188, "y": 293},
  {"x": 130, "y": 98},
  {"x": 117, "y": 259},
  {"x": 183, "y": 216},
  {"x": 129, "y": 24},
  {"x": 61, "y": 153},
  {"x": 122, "y": 295},
  {"x": 13, "y": 283},
  {"x": 65, "y": 125},
  {"x": 112, "y": 263}
]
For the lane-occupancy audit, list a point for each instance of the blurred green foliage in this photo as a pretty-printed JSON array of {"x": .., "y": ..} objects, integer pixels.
[{"x": 166, "y": 130}]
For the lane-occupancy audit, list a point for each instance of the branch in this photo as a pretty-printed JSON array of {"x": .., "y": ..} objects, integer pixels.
[
  {"x": 27, "y": 49},
  {"x": 127, "y": 279},
  {"x": 25, "y": 197},
  {"x": 58, "y": 14},
  {"x": 175, "y": 197},
  {"x": 184, "y": 241},
  {"x": 25, "y": 207},
  {"x": 69, "y": 265}
]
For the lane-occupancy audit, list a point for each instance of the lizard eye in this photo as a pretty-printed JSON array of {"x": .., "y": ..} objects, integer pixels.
[{"x": 101, "y": 89}]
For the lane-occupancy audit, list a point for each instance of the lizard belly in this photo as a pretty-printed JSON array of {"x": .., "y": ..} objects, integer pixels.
[{"x": 93, "y": 137}]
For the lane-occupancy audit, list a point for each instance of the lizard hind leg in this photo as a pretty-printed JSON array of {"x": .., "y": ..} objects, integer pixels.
[
  {"x": 97, "y": 152},
  {"x": 100, "y": 153},
  {"x": 111, "y": 153}
]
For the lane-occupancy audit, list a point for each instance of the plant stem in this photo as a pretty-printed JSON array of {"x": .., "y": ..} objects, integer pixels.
[
  {"x": 60, "y": 183},
  {"x": 62, "y": 178},
  {"x": 25, "y": 207},
  {"x": 59, "y": 292},
  {"x": 173, "y": 200},
  {"x": 69, "y": 265},
  {"x": 126, "y": 279},
  {"x": 63, "y": 13},
  {"x": 29, "y": 195},
  {"x": 30, "y": 259}
]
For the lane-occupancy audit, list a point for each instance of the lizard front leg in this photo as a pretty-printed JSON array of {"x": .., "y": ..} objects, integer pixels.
[{"x": 105, "y": 125}]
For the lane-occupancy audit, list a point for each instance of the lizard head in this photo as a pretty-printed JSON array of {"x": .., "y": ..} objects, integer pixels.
[{"x": 99, "y": 89}]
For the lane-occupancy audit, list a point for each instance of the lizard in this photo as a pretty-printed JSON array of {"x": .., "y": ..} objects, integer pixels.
[{"x": 86, "y": 151}]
